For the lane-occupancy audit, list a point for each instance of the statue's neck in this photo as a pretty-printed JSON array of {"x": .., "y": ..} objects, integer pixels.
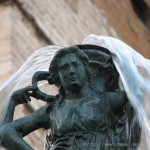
[{"x": 77, "y": 92}]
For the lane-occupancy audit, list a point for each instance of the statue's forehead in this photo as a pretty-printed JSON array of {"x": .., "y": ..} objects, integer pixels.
[{"x": 68, "y": 58}]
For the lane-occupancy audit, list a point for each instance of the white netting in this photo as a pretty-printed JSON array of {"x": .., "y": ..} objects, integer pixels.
[
  {"x": 38, "y": 61},
  {"x": 134, "y": 72}
]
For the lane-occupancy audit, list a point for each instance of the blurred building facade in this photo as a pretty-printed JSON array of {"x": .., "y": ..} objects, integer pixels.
[{"x": 27, "y": 25}]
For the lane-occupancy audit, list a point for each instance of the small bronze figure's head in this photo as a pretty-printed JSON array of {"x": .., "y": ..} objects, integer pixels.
[{"x": 69, "y": 66}]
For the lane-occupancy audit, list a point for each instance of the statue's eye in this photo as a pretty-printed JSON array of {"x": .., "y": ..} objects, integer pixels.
[
  {"x": 62, "y": 67},
  {"x": 75, "y": 63}
]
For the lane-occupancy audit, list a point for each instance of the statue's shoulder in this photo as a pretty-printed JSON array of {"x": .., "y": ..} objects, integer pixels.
[
  {"x": 46, "y": 109},
  {"x": 51, "y": 105},
  {"x": 42, "y": 111}
]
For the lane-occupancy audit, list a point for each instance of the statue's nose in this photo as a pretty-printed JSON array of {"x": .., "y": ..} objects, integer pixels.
[{"x": 71, "y": 69}]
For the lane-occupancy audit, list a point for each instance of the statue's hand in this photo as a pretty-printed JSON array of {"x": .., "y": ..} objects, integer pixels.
[{"x": 22, "y": 96}]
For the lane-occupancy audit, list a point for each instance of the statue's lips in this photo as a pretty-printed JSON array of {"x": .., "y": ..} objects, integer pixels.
[{"x": 73, "y": 78}]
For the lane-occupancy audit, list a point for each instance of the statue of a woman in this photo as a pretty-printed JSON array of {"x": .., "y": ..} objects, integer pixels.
[{"x": 90, "y": 111}]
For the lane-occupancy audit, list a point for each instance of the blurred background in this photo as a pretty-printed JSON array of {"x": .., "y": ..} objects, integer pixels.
[{"x": 27, "y": 25}]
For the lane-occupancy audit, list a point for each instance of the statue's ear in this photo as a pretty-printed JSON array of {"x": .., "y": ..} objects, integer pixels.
[
  {"x": 50, "y": 79},
  {"x": 53, "y": 78}
]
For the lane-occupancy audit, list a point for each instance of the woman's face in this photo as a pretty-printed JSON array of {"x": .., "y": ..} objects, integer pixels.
[{"x": 71, "y": 72}]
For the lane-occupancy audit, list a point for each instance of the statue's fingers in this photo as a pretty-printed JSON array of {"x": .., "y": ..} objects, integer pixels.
[
  {"x": 33, "y": 94},
  {"x": 30, "y": 93},
  {"x": 23, "y": 99},
  {"x": 26, "y": 98},
  {"x": 30, "y": 88}
]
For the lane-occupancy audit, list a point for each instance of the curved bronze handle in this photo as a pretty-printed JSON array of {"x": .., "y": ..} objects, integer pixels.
[{"x": 39, "y": 76}]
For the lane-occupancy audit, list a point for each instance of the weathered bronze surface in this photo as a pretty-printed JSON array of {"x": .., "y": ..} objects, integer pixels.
[{"x": 89, "y": 113}]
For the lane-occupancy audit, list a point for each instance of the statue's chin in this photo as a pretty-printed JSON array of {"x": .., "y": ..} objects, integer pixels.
[{"x": 75, "y": 86}]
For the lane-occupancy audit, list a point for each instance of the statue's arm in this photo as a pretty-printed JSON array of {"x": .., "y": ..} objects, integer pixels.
[
  {"x": 12, "y": 133},
  {"x": 20, "y": 96},
  {"x": 117, "y": 99},
  {"x": 10, "y": 112}
]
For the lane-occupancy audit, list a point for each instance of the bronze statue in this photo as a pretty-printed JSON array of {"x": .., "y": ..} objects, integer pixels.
[{"x": 90, "y": 112}]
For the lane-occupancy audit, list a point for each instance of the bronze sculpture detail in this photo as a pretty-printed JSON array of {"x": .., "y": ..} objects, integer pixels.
[{"x": 89, "y": 113}]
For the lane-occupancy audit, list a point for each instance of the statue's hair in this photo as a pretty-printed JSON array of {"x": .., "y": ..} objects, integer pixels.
[{"x": 61, "y": 53}]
